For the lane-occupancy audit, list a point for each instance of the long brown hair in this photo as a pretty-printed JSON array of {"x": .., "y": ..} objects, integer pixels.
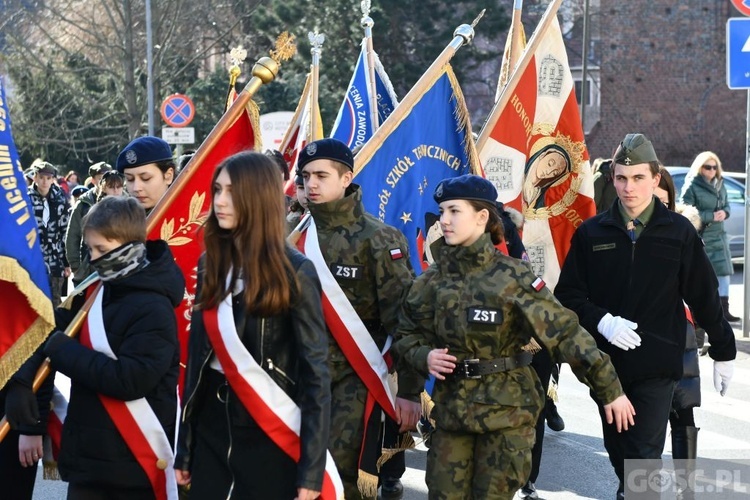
[
  {"x": 255, "y": 249},
  {"x": 494, "y": 223}
]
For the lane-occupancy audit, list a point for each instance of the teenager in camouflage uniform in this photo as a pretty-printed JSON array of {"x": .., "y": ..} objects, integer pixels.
[
  {"x": 51, "y": 212},
  {"x": 370, "y": 262},
  {"x": 466, "y": 321}
]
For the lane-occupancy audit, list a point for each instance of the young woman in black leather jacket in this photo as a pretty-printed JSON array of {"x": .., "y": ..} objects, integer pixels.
[{"x": 259, "y": 297}]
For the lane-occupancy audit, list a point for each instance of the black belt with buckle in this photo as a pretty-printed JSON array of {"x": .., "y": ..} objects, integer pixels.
[{"x": 477, "y": 368}]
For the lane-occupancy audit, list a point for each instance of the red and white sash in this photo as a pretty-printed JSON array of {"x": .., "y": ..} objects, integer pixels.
[
  {"x": 347, "y": 328},
  {"x": 135, "y": 420},
  {"x": 274, "y": 411}
]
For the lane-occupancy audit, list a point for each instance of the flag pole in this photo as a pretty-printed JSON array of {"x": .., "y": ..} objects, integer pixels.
[
  {"x": 264, "y": 71},
  {"x": 316, "y": 42},
  {"x": 505, "y": 96},
  {"x": 464, "y": 34},
  {"x": 367, "y": 24}
]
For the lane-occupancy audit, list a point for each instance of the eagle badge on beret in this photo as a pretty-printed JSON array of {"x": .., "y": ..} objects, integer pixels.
[
  {"x": 311, "y": 149},
  {"x": 439, "y": 191},
  {"x": 131, "y": 157}
]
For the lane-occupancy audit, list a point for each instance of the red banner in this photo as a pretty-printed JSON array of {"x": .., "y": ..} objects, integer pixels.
[{"x": 185, "y": 215}]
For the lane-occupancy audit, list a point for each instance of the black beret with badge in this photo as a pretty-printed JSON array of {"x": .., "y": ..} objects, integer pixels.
[
  {"x": 142, "y": 151},
  {"x": 326, "y": 149},
  {"x": 633, "y": 150},
  {"x": 466, "y": 187}
]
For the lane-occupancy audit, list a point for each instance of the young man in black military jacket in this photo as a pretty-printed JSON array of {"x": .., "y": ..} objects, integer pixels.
[{"x": 626, "y": 275}]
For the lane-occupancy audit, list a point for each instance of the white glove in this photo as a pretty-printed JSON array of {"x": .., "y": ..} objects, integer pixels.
[
  {"x": 723, "y": 371},
  {"x": 619, "y": 332}
]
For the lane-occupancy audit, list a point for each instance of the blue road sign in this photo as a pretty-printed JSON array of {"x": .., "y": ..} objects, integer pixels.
[
  {"x": 177, "y": 110},
  {"x": 738, "y": 53}
]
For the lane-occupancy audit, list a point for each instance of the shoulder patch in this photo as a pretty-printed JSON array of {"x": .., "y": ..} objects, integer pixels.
[
  {"x": 396, "y": 253},
  {"x": 538, "y": 284}
]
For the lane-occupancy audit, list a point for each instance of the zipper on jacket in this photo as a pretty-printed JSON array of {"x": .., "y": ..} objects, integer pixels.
[
  {"x": 197, "y": 384},
  {"x": 278, "y": 370},
  {"x": 229, "y": 448},
  {"x": 262, "y": 335}
]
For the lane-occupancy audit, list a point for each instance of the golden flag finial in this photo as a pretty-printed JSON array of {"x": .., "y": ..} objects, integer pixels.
[{"x": 286, "y": 47}]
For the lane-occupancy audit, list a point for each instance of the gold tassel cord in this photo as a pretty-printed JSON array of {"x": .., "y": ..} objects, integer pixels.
[
  {"x": 464, "y": 121},
  {"x": 533, "y": 346},
  {"x": 552, "y": 391},
  {"x": 406, "y": 442},
  {"x": 37, "y": 332},
  {"x": 51, "y": 473},
  {"x": 254, "y": 113},
  {"x": 367, "y": 484}
]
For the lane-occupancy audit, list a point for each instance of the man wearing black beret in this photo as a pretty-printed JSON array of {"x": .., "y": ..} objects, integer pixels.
[
  {"x": 627, "y": 273},
  {"x": 364, "y": 268}
]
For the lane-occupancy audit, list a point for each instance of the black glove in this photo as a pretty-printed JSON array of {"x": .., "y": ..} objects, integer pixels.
[
  {"x": 20, "y": 405},
  {"x": 54, "y": 342}
]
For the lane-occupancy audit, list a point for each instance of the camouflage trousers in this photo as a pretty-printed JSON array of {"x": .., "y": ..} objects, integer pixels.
[
  {"x": 470, "y": 466},
  {"x": 348, "y": 395}
]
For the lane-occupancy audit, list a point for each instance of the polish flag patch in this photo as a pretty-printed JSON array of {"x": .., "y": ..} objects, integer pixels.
[
  {"x": 538, "y": 284},
  {"x": 396, "y": 254}
]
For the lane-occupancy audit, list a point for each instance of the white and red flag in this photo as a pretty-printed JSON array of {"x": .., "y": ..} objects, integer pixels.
[
  {"x": 306, "y": 126},
  {"x": 533, "y": 149}
]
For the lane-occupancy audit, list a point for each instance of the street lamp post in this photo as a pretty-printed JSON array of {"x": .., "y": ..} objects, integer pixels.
[{"x": 149, "y": 69}]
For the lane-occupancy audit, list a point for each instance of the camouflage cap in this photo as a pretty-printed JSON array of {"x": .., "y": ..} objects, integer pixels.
[
  {"x": 634, "y": 149},
  {"x": 99, "y": 168}
]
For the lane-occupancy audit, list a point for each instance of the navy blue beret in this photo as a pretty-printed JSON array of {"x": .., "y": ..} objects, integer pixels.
[
  {"x": 143, "y": 150},
  {"x": 299, "y": 180},
  {"x": 326, "y": 149},
  {"x": 466, "y": 187},
  {"x": 78, "y": 190}
]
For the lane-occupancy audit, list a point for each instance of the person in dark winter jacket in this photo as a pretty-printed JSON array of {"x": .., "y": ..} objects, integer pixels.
[
  {"x": 51, "y": 212},
  {"x": 704, "y": 189},
  {"x": 123, "y": 367},
  {"x": 627, "y": 276},
  {"x": 687, "y": 392},
  {"x": 257, "y": 350},
  {"x": 110, "y": 184}
]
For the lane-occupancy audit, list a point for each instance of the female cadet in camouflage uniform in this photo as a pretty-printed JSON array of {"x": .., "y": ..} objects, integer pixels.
[{"x": 465, "y": 321}]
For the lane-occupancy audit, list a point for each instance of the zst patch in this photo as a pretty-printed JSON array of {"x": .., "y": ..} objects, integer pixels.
[
  {"x": 484, "y": 315},
  {"x": 345, "y": 272}
]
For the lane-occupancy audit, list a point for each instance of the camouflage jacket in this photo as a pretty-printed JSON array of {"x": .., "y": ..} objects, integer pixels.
[
  {"x": 481, "y": 304},
  {"x": 357, "y": 248},
  {"x": 52, "y": 234}
]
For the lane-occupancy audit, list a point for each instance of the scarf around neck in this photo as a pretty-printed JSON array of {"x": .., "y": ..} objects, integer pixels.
[{"x": 122, "y": 261}]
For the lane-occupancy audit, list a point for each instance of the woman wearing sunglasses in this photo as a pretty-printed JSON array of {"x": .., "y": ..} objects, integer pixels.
[{"x": 704, "y": 189}]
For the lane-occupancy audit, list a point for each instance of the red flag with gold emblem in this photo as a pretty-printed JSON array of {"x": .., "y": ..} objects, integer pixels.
[
  {"x": 179, "y": 223},
  {"x": 533, "y": 149}
]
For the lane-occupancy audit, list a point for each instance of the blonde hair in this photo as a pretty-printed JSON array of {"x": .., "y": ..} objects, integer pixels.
[{"x": 700, "y": 160}]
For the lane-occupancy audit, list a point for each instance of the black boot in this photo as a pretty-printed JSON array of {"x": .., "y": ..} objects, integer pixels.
[
  {"x": 554, "y": 420},
  {"x": 391, "y": 489},
  {"x": 685, "y": 448},
  {"x": 727, "y": 315}
]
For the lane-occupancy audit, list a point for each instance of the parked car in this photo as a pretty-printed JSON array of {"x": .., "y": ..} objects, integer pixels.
[{"x": 735, "y": 224}]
